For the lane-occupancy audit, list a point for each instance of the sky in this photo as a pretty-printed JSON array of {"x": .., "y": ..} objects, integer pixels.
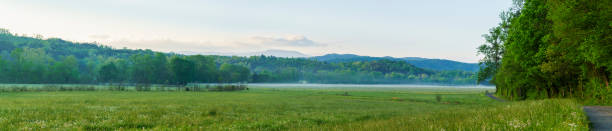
[{"x": 445, "y": 29}]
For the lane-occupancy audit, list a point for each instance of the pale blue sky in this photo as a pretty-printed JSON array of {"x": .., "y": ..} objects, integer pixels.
[{"x": 449, "y": 29}]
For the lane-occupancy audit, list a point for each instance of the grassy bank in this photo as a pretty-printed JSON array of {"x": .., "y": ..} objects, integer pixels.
[{"x": 266, "y": 108}]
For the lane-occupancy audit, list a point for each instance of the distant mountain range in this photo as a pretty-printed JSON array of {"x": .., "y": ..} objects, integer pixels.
[{"x": 433, "y": 64}]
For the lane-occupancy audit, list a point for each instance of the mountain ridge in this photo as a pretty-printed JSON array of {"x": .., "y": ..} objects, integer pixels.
[
  {"x": 434, "y": 64},
  {"x": 427, "y": 63}
]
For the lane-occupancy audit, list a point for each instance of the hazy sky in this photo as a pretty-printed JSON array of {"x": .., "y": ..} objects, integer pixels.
[{"x": 449, "y": 29}]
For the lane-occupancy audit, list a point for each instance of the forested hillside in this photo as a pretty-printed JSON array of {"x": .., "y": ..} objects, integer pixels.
[
  {"x": 34, "y": 60},
  {"x": 275, "y": 69},
  {"x": 432, "y": 64},
  {"x": 552, "y": 49}
]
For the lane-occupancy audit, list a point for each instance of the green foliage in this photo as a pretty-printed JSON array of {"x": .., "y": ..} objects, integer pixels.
[
  {"x": 65, "y": 71},
  {"x": 28, "y": 65},
  {"x": 143, "y": 67},
  {"x": 431, "y": 64},
  {"x": 109, "y": 73},
  {"x": 183, "y": 70},
  {"x": 206, "y": 69},
  {"x": 34, "y": 60},
  {"x": 233, "y": 73},
  {"x": 267, "y": 69},
  {"x": 161, "y": 74},
  {"x": 555, "y": 49},
  {"x": 3, "y": 68},
  {"x": 493, "y": 50}
]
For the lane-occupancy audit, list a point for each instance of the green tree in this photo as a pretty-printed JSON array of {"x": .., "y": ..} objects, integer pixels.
[
  {"x": 123, "y": 67},
  {"x": 233, "y": 73},
  {"x": 65, "y": 71},
  {"x": 557, "y": 48},
  {"x": 206, "y": 70},
  {"x": 142, "y": 69},
  {"x": 29, "y": 65},
  {"x": 493, "y": 50},
  {"x": 183, "y": 69},
  {"x": 581, "y": 51},
  {"x": 109, "y": 73},
  {"x": 6, "y": 46},
  {"x": 3, "y": 70},
  {"x": 160, "y": 69}
]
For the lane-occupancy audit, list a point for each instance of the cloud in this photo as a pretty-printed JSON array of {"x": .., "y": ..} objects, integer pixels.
[
  {"x": 247, "y": 44},
  {"x": 99, "y": 37},
  {"x": 170, "y": 45},
  {"x": 291, "y": 41}
]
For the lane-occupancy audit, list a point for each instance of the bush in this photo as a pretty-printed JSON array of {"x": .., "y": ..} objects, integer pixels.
[
  {"x": 117, "y": 88},
  {"x": 53, "y": 87},
  {"x": 212, "y": 112},
  {"x": 228, "y": 88}
]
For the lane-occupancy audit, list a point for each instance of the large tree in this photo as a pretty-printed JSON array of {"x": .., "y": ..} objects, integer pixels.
[
  {"x": 161, "y": 72},
  {"x": 65, "y": 71},
  {"x": 554, "y": 48},
  {"x": 233, "y": 73},
  {"x": 142, "y": 68},
  {"x": 206, "y": 70},
  {"x": 493, "y": 49},
  {"x": 28, "y": 66},
  {"x": 183, "y": 69},
  {"x": 109, "y": 73}
]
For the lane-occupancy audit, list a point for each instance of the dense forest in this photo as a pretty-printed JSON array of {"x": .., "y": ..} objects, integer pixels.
[
  {"x": 25, "y": 59},
  {"x": 34, "y": 60},
  {"x": 270, "y": 69},
  {"x": 551, "y": 49}
]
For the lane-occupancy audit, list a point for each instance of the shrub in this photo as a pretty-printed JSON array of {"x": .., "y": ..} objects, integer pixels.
[
  {"x": 212, "y": 112},
  {"x": 228, "y": 88},
  {"x": 118, "y": 88},
  {"x": 438, "y": 97}
]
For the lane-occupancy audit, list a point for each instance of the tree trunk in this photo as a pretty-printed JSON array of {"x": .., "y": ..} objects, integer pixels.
[{"x": 605, "y": 79}]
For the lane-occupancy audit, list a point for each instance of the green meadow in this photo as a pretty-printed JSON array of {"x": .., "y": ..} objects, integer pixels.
[{"x": 284, "y": 108}]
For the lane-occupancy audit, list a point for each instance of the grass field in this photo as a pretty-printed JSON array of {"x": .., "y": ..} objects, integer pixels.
[{"x": 285, "y": 108}]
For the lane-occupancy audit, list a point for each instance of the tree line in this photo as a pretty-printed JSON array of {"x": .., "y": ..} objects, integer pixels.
[
  {"x": 551, "y": 49},
  {"x": 33, "y": 60},
  {"x": 25, "y": 59},
  {"x": 269, "y": 69},
  {"x": 27, "y": 65}
]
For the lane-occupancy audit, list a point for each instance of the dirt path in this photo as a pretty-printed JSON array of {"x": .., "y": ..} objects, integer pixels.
[
  {"x": 495, "y": 98},
  {"x": 600, "y": 117}
]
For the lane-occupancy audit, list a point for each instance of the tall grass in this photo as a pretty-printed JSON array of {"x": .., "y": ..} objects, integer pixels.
[
  {"x": 263, "y": 108},
  {"x": 59, "y": 87},
  {"x": 554, "y": 114}
]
